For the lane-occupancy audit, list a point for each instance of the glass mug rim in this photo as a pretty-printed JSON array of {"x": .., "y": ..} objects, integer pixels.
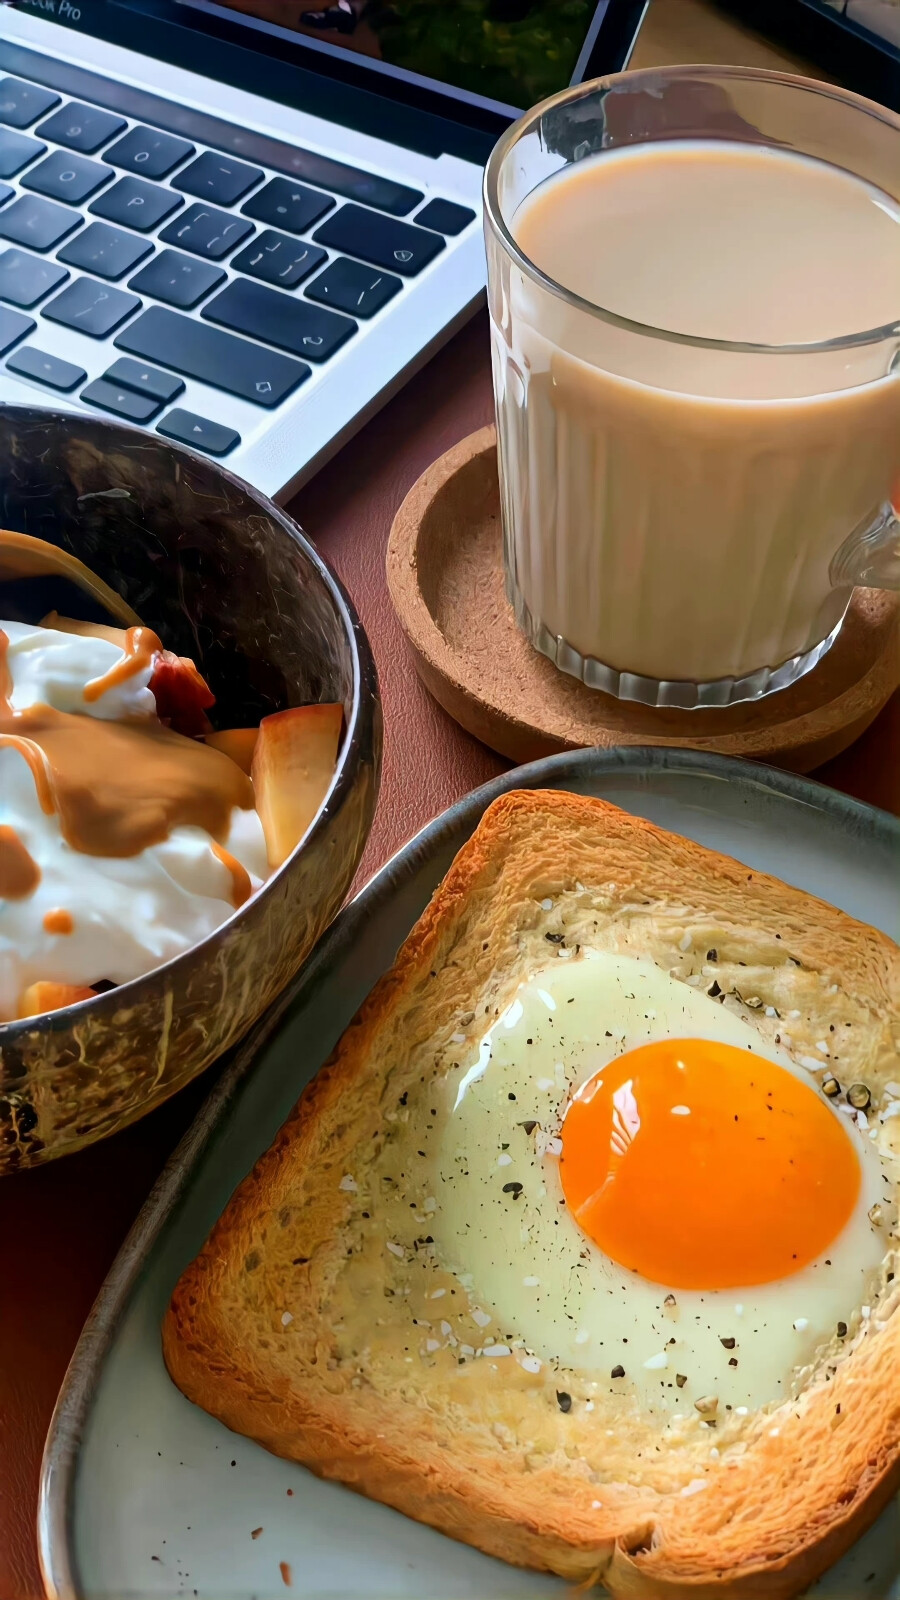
[{"x": 525, "y": 124}]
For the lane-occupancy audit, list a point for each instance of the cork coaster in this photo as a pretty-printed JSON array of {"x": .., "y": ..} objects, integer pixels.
[{"x": 445, "y": 574}]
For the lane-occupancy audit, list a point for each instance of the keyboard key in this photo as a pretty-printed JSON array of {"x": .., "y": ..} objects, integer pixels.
[
  {"x": 144, "y": 380},
  {"x": 288, "y": 205},
  {"x": 277, "y": 259},
  {"x": 149, "y": 152},
  {"x": 121, "y": 402},
  {"x": 188, "y": 428},
  {"x": 214, "y": 357},
  {"x": 352, "y": 184},
  {"x": 6, "y": 190},
  {"x": 218, "y": 178},
  {"x": 16, "y": 150},
  {"x": 38, "y": 223},
  {"x": 25, "y": 279},
  {"x": 22, "y": 103},
  {"x": 179, "y": 280},
  {"x": 13, "y": 327},
  {"x": 349, "y": 286},
  {"x": 107, "y": 251},
  {"x": 206, "y": 232},
  {"x": 91, "y": 307},
  {"x": 81, "y": 127},
  {"x": 292, "y": 325},
  {"x": 197, "y": 431},
  {"x": 136, "y": 203},
  {"x": 33, "y": 363},
  {"x": 381, "y": 240},
  {"x": 66, "y": 176},
  {"x": 444, "y": 216}
]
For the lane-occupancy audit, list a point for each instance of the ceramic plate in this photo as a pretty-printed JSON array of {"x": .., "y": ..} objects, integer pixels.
[{"x": 144, "y": 1494}]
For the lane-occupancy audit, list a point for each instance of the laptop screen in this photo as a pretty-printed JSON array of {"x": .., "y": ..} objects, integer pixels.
[
  {"x": 880, "y": 18},
  {"x": 501, "y": 54}
]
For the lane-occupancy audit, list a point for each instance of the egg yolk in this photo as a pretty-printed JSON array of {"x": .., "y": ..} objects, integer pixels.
[{"x": 703, "y": 1166}]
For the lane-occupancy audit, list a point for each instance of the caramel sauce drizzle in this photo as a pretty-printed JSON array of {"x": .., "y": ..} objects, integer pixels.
[
  {"x": 117, "y": 787},
  {"x": 241, "y": 887},
  {"x": 6, "y": 683},
  {"x": 31, "y": 752},
  {"x": 19, "y": 874},
  {"x": 141, "y": 645},
  {"x": 120, "y": 787}
]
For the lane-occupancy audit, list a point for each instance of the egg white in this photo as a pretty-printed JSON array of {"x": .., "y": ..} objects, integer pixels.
[{"x": 540, "y": 1288}]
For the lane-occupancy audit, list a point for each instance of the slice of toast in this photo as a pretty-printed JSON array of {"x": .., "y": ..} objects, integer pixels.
[{"x": 300, "y": 1324}]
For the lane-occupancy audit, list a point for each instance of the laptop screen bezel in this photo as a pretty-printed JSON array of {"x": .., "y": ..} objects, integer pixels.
[
  {"x": 285, "y": 66},
  {"x": 606, "y": 45}
]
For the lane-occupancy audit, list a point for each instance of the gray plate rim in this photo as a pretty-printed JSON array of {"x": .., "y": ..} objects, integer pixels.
[{"x": 59, "y": 1465}]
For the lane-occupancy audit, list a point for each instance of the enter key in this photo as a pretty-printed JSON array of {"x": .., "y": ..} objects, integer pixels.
[{"x": 279, "y": 319}]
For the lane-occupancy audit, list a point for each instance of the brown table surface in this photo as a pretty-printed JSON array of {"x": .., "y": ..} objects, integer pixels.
[{"x": 61, "y": 1225}]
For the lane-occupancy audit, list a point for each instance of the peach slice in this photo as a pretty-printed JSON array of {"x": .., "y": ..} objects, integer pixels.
[
  {"x": 182, "y": 694},
  {"x": 293, "y": 765},
  {"x": 45, "y": 996},
  {"x": 238, "y": 743},
  {"x": 88, "y": 630}
]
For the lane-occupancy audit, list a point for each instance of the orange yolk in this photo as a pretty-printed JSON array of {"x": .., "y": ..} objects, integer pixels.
[{"x": 702, "y": 1166}]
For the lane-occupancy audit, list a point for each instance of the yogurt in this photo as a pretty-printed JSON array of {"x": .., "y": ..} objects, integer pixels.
[{"x": 127, "y": 914}]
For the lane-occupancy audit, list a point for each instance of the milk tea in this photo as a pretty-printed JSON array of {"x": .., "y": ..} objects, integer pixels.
[{"x": 672, "y": 508}]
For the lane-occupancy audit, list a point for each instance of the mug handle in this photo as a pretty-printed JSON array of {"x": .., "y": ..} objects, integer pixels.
[{"x": 870, "y": 556}]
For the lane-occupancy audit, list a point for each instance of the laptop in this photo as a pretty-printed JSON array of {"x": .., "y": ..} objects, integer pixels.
[{"x": 244, "y": 223}]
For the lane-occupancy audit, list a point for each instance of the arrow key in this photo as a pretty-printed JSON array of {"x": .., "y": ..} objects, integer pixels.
[
  {"x": 120, "y": 401},
  {"x": 188, "y": 428},
  {"x": 136, "y": 375},
  {"x": 44, "y": 368}
]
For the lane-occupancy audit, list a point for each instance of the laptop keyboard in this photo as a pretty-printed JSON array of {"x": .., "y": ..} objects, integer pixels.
[{"x": 119, "y": 229}]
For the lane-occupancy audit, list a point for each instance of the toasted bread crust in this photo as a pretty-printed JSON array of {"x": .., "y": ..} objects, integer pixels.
[{"x": 798, "y": 1495}]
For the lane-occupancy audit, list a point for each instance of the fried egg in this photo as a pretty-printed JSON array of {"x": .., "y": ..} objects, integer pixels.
[{"x": 633, "y": 1184}]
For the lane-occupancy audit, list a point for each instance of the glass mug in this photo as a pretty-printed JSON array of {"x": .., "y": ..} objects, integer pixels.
[{"x": 665, "y": 540}]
